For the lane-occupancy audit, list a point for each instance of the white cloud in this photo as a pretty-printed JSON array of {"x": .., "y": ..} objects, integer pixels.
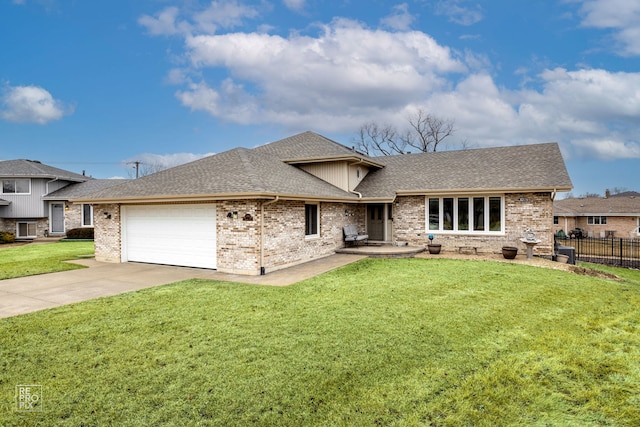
[
  {"x": 400, "y": 19},
  {"x": 348, "y": 74},
  {"x": 295, "y": 5},
  {"x": 341, "y": 68},
  {"x": 223, "y": 14},
  {"x": 621, "y": 16},
  {"x": 164, "y": 22},
  {"x": 30, "y": 104},
  {"x": 595, "y": 112},
  {"x": 218, "y": 14},
  {"x": 608, "y": 149},
  {"x": 458, "y": 13}
]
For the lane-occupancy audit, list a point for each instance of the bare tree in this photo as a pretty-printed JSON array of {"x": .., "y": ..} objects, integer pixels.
[
  {"x": 425, "y": 132},
  {"x": 428, "y": 131},
  {"x": 383, "y": 140}
]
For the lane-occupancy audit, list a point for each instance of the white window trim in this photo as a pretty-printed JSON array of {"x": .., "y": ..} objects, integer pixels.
[
  {"x": 90, "y": 215},
  {"x": 317, "y": 235},
  {"x": 596, "y": 220},
  {"x": 15, "y": 179},
  {"x": 471, "y": 231}
]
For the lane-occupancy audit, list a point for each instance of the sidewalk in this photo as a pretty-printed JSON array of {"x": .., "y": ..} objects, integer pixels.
[{"x": 33, "y": 293}]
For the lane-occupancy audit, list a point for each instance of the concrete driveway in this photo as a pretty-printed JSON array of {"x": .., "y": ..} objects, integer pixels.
[{"x": 33, "y": 293}]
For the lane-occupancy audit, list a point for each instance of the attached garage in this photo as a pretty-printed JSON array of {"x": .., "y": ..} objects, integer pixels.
[{"x": 183, "y": 234}]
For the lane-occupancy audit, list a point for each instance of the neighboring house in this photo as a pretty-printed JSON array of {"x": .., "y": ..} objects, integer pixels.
[
  {"x": 27, "y": 207},
  {"x": 613, "y": 216},
  {"x": 79, "y": 215},
  {"x": 251, "y": 211}
]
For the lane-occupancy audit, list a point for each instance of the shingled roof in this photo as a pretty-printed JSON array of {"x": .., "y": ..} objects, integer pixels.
[
  {"x": 537, "y": 167},
  {"x": 233, "y": 174},
  {"x": 588, "y": 206},
  {"x": 22, "y": 168},
  {"x": 309, "y": 147},
  {"x": 269, "y": 170},
  {"x": 80, "y": 189}
]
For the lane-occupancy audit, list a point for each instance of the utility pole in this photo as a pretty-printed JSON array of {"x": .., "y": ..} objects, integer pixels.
[{"x": 137, "y": 166}]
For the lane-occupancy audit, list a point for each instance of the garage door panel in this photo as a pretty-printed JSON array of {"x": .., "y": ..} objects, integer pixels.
[{"x": 171, "y": 234}]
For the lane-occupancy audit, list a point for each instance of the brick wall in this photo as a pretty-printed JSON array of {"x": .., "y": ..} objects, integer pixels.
[
  {"x": 238, "y": 245},
  {"x": 107, "y": 239},
  {"x": 285, "y": 240},
  {"x": 7, "y": 225},
  {"x": 10, "y": 225},
  {"x": 73, "y": 216},
  {"x": 522, "y": 211},
  {"x": 622, "y": 226}
]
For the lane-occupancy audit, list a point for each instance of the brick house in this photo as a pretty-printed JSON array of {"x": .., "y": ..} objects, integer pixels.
[
  {"x": 610, "y": 216},
  {"x": 252, "y": 211}
]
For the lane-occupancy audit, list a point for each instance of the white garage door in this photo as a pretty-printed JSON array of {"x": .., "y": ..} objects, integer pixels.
[{"x": 170, "y": 234}]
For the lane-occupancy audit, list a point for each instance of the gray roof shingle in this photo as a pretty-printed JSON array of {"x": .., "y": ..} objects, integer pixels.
[
  {"x": 611, "y": 206},
  {"x": 234, "y": 173},
  {"x": 268, "y": 170},
  {"x": 513, "y": 168},
  {"x": 22, "y": 168},
  {"x": 80, "y": 189},
  {"x": 307, "y": 146}
]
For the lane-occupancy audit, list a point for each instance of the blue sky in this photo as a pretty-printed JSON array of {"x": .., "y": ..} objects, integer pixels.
[{"x": 92, "y": 85}]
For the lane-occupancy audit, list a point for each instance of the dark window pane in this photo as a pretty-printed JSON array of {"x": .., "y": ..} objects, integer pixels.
[
  {"x": 495, "y": 214},
  {"x": 311, "y": 219},
  {"x": 434, "y": 214},
  {"x": 463, "y": 213},
  {"x": 86, "y": 215},
  {"x": 8, "y": 186},
  {"x": 447, "y": 213},
  {"x": 478, "y": 213}
]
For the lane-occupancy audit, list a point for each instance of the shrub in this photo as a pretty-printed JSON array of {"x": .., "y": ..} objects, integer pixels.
[
  {"x": 6, "y": 237},
  {"x": 80, "y": 233}
]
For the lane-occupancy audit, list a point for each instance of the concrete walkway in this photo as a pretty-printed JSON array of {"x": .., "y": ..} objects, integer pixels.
[{"x": 33, "y": 293}]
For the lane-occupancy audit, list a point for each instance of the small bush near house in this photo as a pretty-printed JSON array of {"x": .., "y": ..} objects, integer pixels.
[
  {"x": 80, "y": 233},
  {"x": 6, "y": 237}
]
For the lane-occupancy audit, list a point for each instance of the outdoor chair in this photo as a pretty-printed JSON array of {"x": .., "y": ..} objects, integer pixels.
[{"x": 351, "y": 235}]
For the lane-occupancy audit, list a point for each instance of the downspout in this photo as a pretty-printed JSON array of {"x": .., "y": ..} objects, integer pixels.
[{"x": 269, "y": 202}]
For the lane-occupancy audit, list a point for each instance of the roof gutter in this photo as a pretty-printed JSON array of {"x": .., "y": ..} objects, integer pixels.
[
  {"x": 465, "y": 191},
  {"x": 262, "y": 239}
]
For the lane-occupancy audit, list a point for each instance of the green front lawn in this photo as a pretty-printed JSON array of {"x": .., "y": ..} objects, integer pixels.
[
  {"x": 379, "y": 342},
  {"x": 41, "y": 258}
]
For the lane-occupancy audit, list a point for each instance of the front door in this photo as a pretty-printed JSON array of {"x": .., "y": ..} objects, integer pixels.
[
  {"x": 375, "y": 222},
  {"x": 57, "y": 217}
]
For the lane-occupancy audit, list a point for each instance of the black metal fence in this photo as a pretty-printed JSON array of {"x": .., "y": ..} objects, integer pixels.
[{"x": 610, "y": 251}]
